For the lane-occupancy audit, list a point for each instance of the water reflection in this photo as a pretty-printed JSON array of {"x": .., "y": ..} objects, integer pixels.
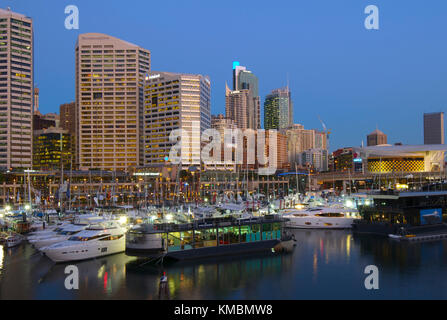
[
  {"x": 403, "y": 256},
  {"x": 216, "y": 278},
  {"x": 1, "y": 257},
  {"x": 326, "y": 264}
]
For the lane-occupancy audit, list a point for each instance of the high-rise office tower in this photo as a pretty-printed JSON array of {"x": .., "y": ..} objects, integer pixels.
[
  {"x": 434, "y": 128},
  {"x": 245, "y": 94},
  {"x": 175, "y": 101},
  {"x": 278, "y": 110},
  {"x": 109, "y": 101},
  {"x": 68, "y": 122},
  {"x": 16, "y": 90},
  {"x": 237, "y": 107}
]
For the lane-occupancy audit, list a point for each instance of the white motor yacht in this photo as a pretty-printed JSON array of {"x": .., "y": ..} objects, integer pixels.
[
  {"x": 99, "y": 240},
  {"x": 11, "y": 239},
  {"x": 321, "y": 218}
]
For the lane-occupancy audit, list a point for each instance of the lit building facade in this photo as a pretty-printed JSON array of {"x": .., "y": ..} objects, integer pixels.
[
  {"x": 346, "y": 160},
  {"x": 16, "y": 90},
  {"x": 49, "y": 149},
  {"x": 175, "y": 101},
  {"x": 402, "y": 158},
  {"x": 278, "y": 110},
  {"x": 110, "y": 75}
]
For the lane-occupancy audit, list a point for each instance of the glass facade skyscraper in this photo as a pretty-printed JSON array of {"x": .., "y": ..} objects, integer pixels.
[{"x": 278, "y": 110}]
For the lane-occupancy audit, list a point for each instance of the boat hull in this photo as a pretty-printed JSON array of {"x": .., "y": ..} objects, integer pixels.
[
  {"x": 13, "y": 243},
  {"x": 85, "y": 251},
  {"x": 319, "y": 223},
  {"x": 222, "y": 250},
  {"x": 376, "y": 228}
]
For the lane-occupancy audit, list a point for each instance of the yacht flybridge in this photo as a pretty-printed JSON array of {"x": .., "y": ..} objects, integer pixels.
[{"x": 60, "y": 236}]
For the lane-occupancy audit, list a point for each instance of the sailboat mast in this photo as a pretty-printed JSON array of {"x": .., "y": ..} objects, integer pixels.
[
  {"x": 29, "y": 189},
  {"x": 69, "y": 186},
  {"x": 61, "y": 198}
]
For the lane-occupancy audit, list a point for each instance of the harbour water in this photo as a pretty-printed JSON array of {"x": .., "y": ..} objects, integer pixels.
[{"x": 326, "y": 264}]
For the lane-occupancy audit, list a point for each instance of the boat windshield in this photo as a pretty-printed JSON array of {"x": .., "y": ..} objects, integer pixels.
[
  {"x": 331, "y": 215},
  {"x": 83, "y": 239},
  {"x": 68, "y": 233}
]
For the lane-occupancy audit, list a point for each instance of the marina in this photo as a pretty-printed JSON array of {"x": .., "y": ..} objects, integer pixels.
[{"x": 134, "y": 246}]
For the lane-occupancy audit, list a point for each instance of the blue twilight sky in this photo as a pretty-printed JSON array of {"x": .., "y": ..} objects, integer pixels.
[{"x": 354, "y": 79}]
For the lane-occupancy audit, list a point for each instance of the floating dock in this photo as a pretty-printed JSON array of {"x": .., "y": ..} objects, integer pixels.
[{"x": 433, "y": 233}]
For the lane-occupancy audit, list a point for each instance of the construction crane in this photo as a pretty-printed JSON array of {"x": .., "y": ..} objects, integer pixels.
[
  {"x": 326, "y": 131},
  {"x": 327, "y": 134}
]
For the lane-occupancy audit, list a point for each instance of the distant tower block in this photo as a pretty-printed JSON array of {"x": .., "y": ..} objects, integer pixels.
[
  {"x": 434, "y": 128},
  {"x": 377, "y": 138}
]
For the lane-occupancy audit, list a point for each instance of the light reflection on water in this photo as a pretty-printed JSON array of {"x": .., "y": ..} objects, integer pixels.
[
  {"x": 325, "y": 264},
  {"x": 1, "y": 258}
]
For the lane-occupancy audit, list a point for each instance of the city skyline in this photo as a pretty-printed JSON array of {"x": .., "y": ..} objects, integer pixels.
[{"x": 370, "y": 64}]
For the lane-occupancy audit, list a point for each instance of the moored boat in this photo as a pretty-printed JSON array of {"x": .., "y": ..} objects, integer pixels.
[
  {"x": 99, "y": 240},
  {"x": 207, "y": 237},
  {"x": 328, "y": 217},
  {"x": 11, "y": 239}
]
